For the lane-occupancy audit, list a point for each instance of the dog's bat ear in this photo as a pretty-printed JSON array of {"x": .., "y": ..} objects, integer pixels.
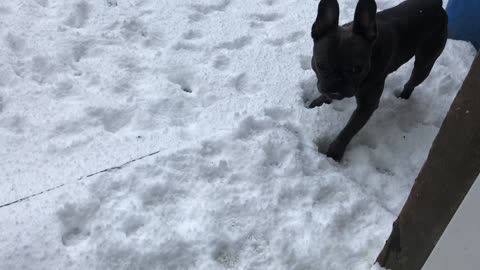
[
  {"x": 327, "y": 18},
  {"x": 364, "y": 22}
]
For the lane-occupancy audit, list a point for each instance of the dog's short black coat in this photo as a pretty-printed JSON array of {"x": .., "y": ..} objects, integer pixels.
[{"x": 356, "y": 58}]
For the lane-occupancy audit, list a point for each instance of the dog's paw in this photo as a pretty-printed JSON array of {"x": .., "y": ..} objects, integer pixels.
[
  {"x": 336, "y": 151},
  {"x": 401, "y": 94}
]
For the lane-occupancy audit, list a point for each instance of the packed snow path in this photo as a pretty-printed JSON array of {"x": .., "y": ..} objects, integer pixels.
[{"x": 219, "y": 88}]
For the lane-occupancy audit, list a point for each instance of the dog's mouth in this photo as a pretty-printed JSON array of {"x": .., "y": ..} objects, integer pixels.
[
  {"x": 335, "y": 96},
  {"x": 341, "y": 95},
  {"x": 347, "y": 92}
]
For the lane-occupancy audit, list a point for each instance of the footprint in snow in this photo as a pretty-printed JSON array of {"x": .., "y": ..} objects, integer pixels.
[
  {"x": 14, "y": 43},
  {"x": 260, "y": 19},
  {"x": 74, "y": 220},
  {"x": 266, "y": 17},
  {"x": 293, "y": 37},
  {"x": 326, "y": 193},
  {"x": 446, "y": 85},
  {"x": 256, "y": 25},
  {"x": 112, "y": 3},
  {"x": 132, "y": 224},
  {"x": 42, "y": 68},
  {"x": 5, "y": 10},
  {"x": 270, "y": 2},
  {"x": 277, "y": 113},
  {"x": 63, "y": 89},
  {"x": 227, "y": 254},
  {"x": 182, "y": 77},
  {"x": 133, "y": 29},
  {"x": 207, "y": 9},
  {"x": 251, "y": 126},
  {"x": 80, "y": 50},
  {"x": 175, "y": 110},
  {"x": 192, "y": 35},
  {"x": 240, "y": 82},
  {"x": 236, "y": 44},
  {"x": 305, "y": 62},
  {"x": 131, "y": 64},
  {"x": 221, "y": 62},
  {"x": 211, "y": 148},
  {"x": 123, "y": 86},
  {"x": 196, "y": 17},
  {"x": 161, "y": 194},
  {"x": 187, "y": 41},
  {"x": 202, "y": 10},
  {"x": 15, "y": 124},
  {"x": 112, "y": 120},
  {"x": 79, "y": 16},
  {"x": 186, "y": 46},
  {"x": 384, "y": 170}
]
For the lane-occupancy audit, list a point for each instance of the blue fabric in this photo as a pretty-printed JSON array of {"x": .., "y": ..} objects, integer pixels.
[{"x": 464, "y": 20}]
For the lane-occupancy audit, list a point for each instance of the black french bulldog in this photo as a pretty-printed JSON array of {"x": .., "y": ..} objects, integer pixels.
[{"x": 356, "y": 58}]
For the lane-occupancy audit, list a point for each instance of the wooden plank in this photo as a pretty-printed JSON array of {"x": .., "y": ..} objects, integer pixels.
[{"x": 451, "y": 168}]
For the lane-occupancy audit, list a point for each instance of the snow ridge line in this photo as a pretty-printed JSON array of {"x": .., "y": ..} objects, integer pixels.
[{"x": 115, "y": 168}]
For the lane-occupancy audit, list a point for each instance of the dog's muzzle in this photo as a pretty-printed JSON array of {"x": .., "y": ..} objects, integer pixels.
[{"x": 336, "y": 96}]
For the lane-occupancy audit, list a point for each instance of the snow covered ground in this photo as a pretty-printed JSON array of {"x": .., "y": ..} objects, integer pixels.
[{"x": 217, "y": 90}]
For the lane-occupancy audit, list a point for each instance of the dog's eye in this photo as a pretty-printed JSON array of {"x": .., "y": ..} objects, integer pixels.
[{"x": 356, "y": 69}]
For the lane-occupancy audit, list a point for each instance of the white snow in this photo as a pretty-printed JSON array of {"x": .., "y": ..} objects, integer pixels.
[
  {"x": 219, "y": 89},
  {"x": 377, "y": 267}
]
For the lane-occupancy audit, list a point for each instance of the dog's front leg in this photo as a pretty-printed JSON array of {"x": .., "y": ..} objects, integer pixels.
[
  {"x": 359, "y": 118},
  {"x": 366, "y": 105}
]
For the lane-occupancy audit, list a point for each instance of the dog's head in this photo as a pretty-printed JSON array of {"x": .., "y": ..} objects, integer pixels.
[{"x": 342, "y": 54}]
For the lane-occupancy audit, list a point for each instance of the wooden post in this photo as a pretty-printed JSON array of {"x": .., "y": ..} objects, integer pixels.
[{"x": 450, "y": 170}]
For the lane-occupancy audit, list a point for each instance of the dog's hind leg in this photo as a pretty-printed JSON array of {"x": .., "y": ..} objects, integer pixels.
[
  {"x": 425, "y": 58},
  {"x": 420, "y": 72}
]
